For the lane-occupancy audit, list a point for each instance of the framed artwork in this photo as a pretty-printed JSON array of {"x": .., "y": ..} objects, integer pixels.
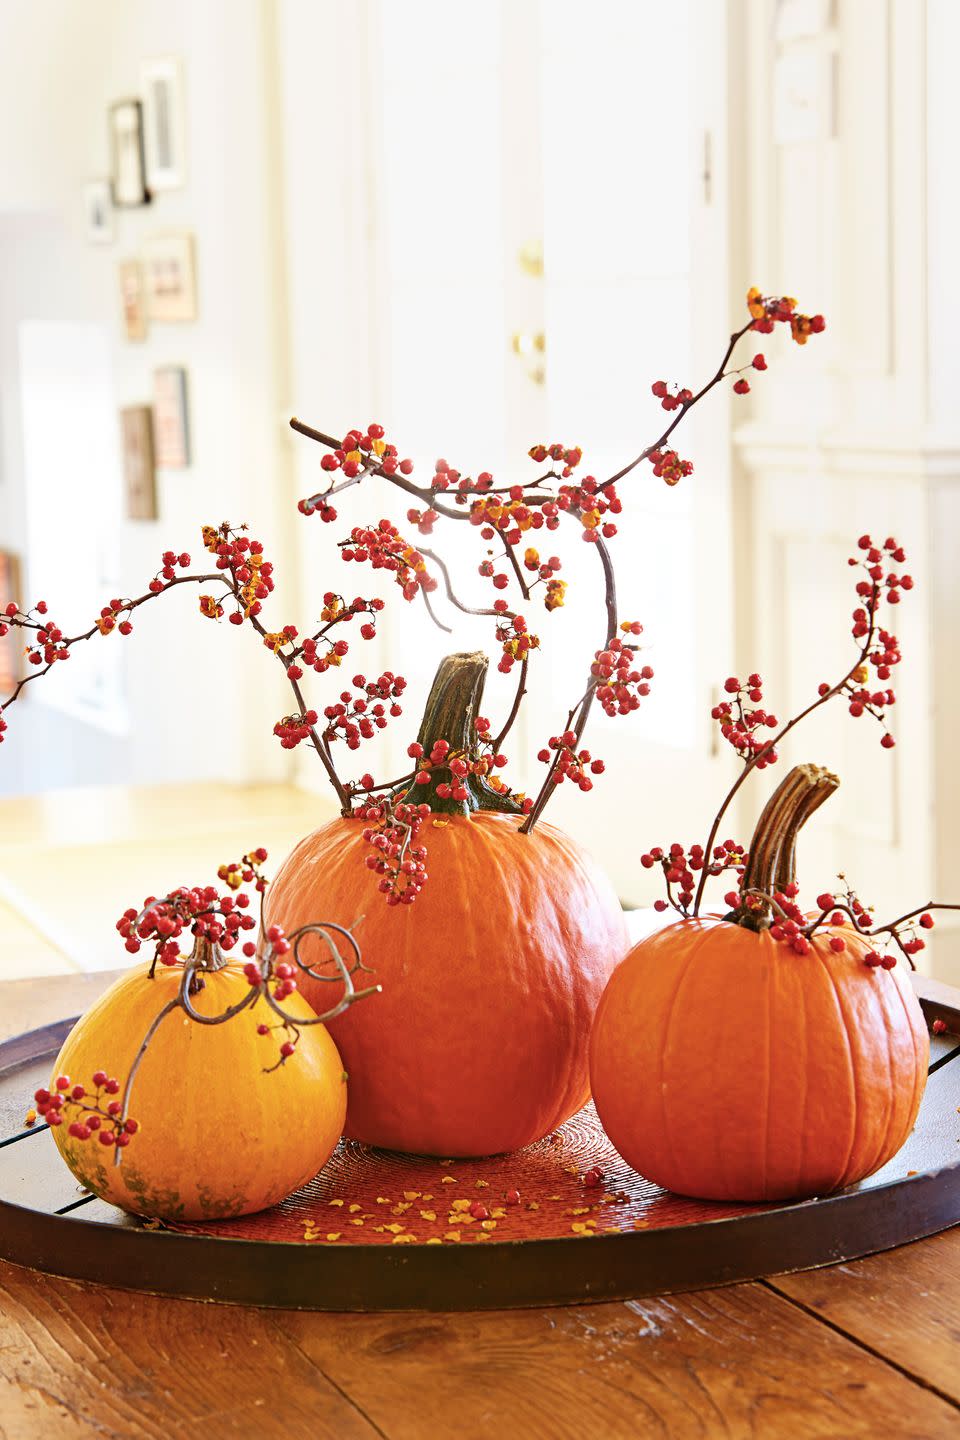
[
  {"x": 126, "y": 154},
  {"x": 11, "y": 645},
  {"x": 139, "y": 470},
  {"x": 133, "y": 300},
  {"x": 161, "y": 85},
  {"x": 98, "y": 212},
  {"x": 171, "y": 429},
  {"x": 169, "y": 277}
]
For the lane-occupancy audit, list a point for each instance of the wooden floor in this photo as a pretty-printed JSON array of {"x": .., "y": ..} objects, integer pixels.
[{"x": 866, "y": 1348}]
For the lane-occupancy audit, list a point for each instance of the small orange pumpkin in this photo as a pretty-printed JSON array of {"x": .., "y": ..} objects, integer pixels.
[
  {"x": 217, "y": 1136},
  {"x": 478, "y": 1042},
  {"x": 726, "y": 1067}
]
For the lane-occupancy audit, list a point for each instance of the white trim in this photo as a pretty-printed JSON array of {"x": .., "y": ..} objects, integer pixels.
[{"x": 910, "y": 455}]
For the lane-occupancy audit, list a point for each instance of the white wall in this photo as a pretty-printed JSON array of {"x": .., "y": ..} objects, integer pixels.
[
  {"x": 854, "y": 212},
  {"x": 195, "y": 711}
]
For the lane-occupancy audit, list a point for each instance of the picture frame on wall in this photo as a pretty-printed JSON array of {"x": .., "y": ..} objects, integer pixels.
[
  {"x": 161, "y": 86},
  {"x": 171, "y": 427},
  {"x": 169, "y": 277},
  {"x": 128, "y": 165},
  {"x": 139, "y": 467},
  {"x": 133, "y": 301},
  {"x": 98, "y": 212},
  {"x": 11, "y": 644}
]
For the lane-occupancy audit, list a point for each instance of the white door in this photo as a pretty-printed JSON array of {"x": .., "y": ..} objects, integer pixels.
[
  {"x": 635, "y": 290},
  {"x": 545, "y": 243}
]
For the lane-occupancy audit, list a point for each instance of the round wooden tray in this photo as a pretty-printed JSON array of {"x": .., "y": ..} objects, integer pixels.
[{"x": 376, "y": 1231}]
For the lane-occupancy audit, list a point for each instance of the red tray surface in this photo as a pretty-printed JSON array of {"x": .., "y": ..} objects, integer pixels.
[{"x": 366, "y": 1196}]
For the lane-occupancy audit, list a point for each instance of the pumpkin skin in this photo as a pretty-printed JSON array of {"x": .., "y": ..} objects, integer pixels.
[
  {"x": 217, "y": 1136},
  {"x": 479, "y": 1042},
  {"x": 726, "y": 1067}
]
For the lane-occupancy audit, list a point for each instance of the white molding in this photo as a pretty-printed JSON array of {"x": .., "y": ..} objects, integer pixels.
[{"x": 926, "y": 457}]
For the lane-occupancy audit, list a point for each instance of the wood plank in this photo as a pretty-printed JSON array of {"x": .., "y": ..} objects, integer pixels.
[
  {"x": 739, "y": 1362},
  {"x": 78, "y": 1361},
  {"x": 902, "y": 1303}
]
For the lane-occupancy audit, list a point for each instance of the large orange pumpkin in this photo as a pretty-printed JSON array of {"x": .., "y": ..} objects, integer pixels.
[
  {"x": 478, "y": 1042},
  {"x": 727, "y": 1067},
  {"x": 217, "y": 1135}
]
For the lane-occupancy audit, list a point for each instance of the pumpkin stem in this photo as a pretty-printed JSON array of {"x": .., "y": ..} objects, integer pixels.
[
  {"x": 206, "y": 955},
  {"x": 451, "y": 715},
  {"x": 772, "y": 863}
]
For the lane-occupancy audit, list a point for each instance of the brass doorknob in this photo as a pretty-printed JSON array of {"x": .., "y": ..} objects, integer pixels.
[
  {"x": 528, "y": 344},
  {"x": 530, "y": 258}
]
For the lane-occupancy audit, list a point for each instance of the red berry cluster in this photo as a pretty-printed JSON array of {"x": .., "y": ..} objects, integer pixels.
[
  {"x": 336, "y": 611},
  {"x": 459, "y": 765},
  {"x": 589, "y": 503},
  {"x": 680, "y": 865},
  {"x": 904, "y": 933},
  {"x": 366, "y": 450},
  {"x": 668, "y": 466},
  {"x": 515, "y": 641},
  {"x": 790, "y": 924},
  {"x": 49, "y": 644},
  {"x": 318, "y": 505},
  {"x": 423, "y": 519},
  {"x": 359, "y": 453},
  {"x": 880, "y": 648},
  {"x": 320, "y": 660},
  {"x": 167, "y": 571},
  {"x": 795, "y": 929},
  {"x": 768, "y": 311},
  {"x": 569, "y": 456},
  {"x": 511, "y": 516},
  {"x": 546, "y": 572},
  {"x": 446, "y": 477},
  {"x": 275, "y": 640},
  {"x": 742, "y": 720},
  {"x": 386, "y": 549},
  {"x": 620, "y": 685},
  {"x": 86, "y": 1114},
  {"x": 398, "y": 860},
  {"x": 246, "y": 871},
  {"x": 441, "y": 758},
  {"x": 199, "y": 910},
  {"x": 259, "y": 973},
  {"x": 518, "y": 512},
  {"x": 571, "y": 764},
  {"x": 671, "y": 401},
  {"x": 292, "y": 730},
  {"x": 359, "y": 714},
  {"x": 678, "y": 869},
  {"x": 248, "y": 575}
]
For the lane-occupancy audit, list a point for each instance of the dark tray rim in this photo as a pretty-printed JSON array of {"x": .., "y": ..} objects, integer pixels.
[{"x": 504, "y": 1274}]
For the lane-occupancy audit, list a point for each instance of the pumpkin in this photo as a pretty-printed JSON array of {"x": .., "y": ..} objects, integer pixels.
[
  {"x": 217, "y": 1136},
  {"x": 727, "y": 1067},
  {"x": 478, "y": 1043}
]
